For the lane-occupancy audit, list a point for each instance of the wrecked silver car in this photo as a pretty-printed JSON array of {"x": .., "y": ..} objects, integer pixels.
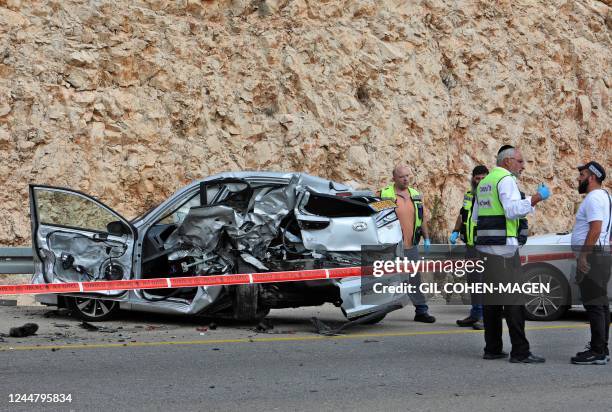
[{"x": 239, "y": 222}]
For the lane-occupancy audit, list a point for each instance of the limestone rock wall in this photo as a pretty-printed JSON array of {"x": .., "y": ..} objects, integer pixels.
[{"x": 130, "y": 100}]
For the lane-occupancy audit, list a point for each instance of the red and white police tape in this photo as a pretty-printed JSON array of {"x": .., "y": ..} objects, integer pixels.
[
  {"x": 182, "y": 282},
  {"x": 217, "y": 280}
]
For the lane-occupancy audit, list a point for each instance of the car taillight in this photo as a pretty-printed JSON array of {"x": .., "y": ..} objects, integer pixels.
[{"x": 383, "y": 219}]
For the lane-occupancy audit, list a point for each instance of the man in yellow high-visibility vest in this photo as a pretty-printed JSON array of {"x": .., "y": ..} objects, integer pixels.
[
  {"x": 465, "y": 229},
  {"x": 414, "y": 225},
  {"x": 498, "y": 209}
]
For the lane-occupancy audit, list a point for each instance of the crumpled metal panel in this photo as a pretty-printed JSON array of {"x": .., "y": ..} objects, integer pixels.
[
  {"x": 248, "y": 233},
  {"x": 202, "y": 228},
  {"x": 86, "y": 253}
]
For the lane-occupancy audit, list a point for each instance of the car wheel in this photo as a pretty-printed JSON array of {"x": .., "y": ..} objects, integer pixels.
[
  {"x": 92, "y": 310},
  {"x": 247, "y": 305},
  {"x": 551, "y": 305}
]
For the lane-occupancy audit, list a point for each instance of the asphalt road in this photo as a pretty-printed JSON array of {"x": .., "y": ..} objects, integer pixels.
[{"x": 175, "y": 363}]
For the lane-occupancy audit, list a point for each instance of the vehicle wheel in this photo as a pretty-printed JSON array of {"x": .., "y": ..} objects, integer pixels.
[
  {"x": 246, "y": 304},
  {"x": 92, "y": 310},
  {"x": 547, "y": 306}
]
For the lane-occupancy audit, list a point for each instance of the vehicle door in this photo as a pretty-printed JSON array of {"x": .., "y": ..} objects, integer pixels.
[{"x": 77, "y": 238}]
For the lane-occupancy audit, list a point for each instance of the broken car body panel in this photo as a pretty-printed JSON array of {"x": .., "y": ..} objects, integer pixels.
[{"x": 227, "y": 223}]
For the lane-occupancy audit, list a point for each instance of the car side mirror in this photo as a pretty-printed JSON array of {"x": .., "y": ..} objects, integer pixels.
[{"x": 118, "y": 228}]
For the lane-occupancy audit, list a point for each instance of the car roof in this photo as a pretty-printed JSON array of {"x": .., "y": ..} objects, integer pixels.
[{"x": 314, "y": 182}]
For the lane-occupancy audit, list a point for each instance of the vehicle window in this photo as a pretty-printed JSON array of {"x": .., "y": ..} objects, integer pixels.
[
  {"x": 179, "y": 214},
  {"x": 215, "y": 194},
  {"x": 333, "y": 206},
  {"x": 59, "y": 208}
]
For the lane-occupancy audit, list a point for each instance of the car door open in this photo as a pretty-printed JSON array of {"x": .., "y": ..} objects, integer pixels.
[{"x": 75, "y": 238}]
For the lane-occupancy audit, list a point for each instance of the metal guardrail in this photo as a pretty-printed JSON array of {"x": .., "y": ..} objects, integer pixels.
[{"x": 16, "y": 260}]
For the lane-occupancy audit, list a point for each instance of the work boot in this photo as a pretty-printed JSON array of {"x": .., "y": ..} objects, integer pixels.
[
  {"x": 469, "y": 321},
  {"x": 424, "y": 317}
]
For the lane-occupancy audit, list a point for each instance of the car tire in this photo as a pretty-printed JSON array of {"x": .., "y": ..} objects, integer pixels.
[
  {"x": 547, "y": 306},
  {"x": 247, "y": 306},
  {"x": 92, "y": 310}
]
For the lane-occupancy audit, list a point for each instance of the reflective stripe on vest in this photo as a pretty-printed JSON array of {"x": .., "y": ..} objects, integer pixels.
[
  {"x": 493, "y": 228},
  {"x": 388, "y": 192},
  {"x": 468, "y": 228},
  {"x": 523, "y": 228}
]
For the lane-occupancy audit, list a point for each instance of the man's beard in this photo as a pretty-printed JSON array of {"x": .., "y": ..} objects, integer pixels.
[{"x": 582, "y": 186}]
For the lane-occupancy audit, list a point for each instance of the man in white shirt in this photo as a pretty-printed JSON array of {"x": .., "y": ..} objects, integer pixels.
[
  {"x": 590, "y": 241},
  {"x": 497, "y": 211}
]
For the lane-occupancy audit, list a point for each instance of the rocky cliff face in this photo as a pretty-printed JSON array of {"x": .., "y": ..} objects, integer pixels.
[{"x": 130, "y": 100}]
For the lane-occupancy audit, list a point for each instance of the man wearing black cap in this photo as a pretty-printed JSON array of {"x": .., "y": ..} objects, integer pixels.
[
  {"x": 590, "y": 241},
  {"x": 497, "y": 213},
  {"x": 465, "y": 229}
]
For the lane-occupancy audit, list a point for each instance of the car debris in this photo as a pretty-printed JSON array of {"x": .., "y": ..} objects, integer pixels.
[
  {"x": 28, "y": 329},
  {"x": 89, "y": 327},
  {"x": 93, "y": 328},
  {"x": 324, "y": 329},
  {"x": 56, "y": 312},
  {"x": 264, "y": 326}
]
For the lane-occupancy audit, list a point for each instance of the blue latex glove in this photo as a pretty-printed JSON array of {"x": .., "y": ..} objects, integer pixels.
[
  {"x": 543, "y": 191},
  {"x": 453, "y": 238},
  {"x": 426, "y": 245}
]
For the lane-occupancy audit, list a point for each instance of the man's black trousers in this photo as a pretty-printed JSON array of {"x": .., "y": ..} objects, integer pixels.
[
  {"x": 594, "y": 293},
  {"x": 499, "y": 269}
]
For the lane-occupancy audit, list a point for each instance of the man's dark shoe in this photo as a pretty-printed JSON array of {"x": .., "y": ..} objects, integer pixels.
[
  {"x": 478, "y": 325},
  {"x": 490, "y": 356},
  {"x": 589, "y": 357},
  {"x": 531, "y": 358},
  {"x": 606, "y": 352},
  {"x": 424, "y": 317},
  {"x": 469, "y": 321}
]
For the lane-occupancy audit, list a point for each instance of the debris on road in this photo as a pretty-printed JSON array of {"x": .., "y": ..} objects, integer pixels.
[
  {"x": 22, "y": 331},
  {"x": 323, "y": 329},
  {"x": 56, "y": 312},
  {"x": 264, "y": 326},
  {"x": 88, "y": 326},
  {"x": 93, "y": 328}
]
